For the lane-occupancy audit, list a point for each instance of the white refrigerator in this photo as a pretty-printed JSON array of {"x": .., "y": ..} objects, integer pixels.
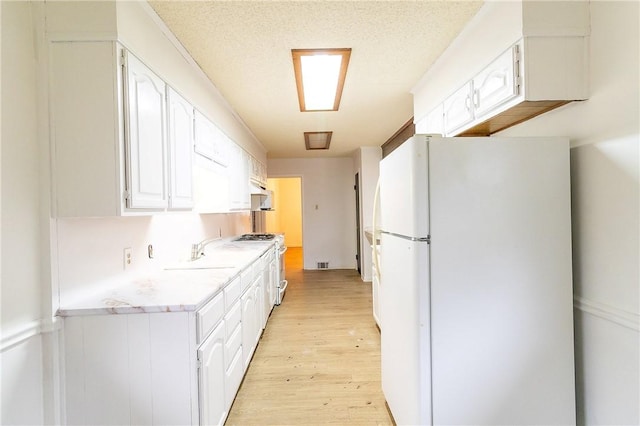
[{"x": 476, "y": 289}]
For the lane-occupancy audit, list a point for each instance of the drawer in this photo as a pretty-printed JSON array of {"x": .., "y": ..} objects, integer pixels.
[
  {"x": 232, "y": 319},
  {"x": 257, "y": 268},
  {"x": 246, "y": 277},
  {"x": 231, "y": 346},
  {"x": 209, "y": 316},
  {"x": 232, "y": 292}
]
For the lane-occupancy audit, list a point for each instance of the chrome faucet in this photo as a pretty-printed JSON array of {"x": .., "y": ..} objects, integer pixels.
[{"x": 197, "y": 249}]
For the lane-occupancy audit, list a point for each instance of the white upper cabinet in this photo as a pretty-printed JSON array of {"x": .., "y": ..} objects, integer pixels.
[
  {"x": 120, "y": 143},
  {"x": 211, "y": 142},
  {"x": 496, "y": 84},
  {"x": 146, "y": 137},
  {"x": 457, "y": 109},
  {"x": 180, "y": 152},
  {"x": 488, "y": 90},
  {"x": 514, "y": 61},
  {"x": 239, "y": 193},
  {"x": 433, "y": 123},
  {"x": 258, "y": 172}
]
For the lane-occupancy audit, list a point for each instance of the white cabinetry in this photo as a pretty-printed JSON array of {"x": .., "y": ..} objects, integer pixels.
[
  {"x": 457, "y": 109},
  {"x": 212, "y": 375},
  {"x": 211, "y": 142},
  {"x": 180, "y": 151},
  {"x": 109, "y": 119},
  {"x": 249, "y": 324},
  {"x": 493, "y": 77},
  {"x": 166, "y": 367},
  {"x": 258, "y": 172},
  {"x": 433, "y": 123},
  {"x": 239, "y": 193},
  {"x": 496, "y": 84},
  {"x": 493, "y": 86},
  {"x": 145, "y": 127}
]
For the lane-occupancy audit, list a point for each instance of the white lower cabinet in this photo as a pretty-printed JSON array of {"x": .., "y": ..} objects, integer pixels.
[
  {"x": 234, "y": 368},
  {"x": 213, "y": 405},
  {"x": 248, "y": 325},
  {"x": 167, "y": 367}
]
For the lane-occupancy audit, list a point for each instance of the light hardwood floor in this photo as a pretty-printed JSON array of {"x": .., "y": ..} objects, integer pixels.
[{"x": 318, "y": 361}]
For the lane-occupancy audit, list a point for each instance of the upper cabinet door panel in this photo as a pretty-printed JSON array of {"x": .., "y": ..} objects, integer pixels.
[
  {"x": 204, "y": 136},
  {"x": 496, "y": 84},
  {"x": 457, "y": 109},
  {"x": 432, "y": 123},
  {"x": 146, "y": 136},
  {"x": 180, "y": 151}
]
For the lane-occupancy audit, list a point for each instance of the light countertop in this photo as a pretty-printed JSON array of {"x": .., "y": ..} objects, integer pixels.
[{"x": 184, "y": 286}]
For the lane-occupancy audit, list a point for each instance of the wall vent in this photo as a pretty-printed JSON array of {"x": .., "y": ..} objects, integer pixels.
[{"x": 323, "y": 265}]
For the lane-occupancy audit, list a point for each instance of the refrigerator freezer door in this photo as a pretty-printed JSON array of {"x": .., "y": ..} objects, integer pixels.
[
  {"x": 404, "y": 314},
  {"x": 501, "y": 289},
  {"x": 403, "y": 189}
]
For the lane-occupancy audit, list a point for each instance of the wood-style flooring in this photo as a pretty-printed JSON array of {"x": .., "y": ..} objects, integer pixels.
[{"x": 318, "y": 361}]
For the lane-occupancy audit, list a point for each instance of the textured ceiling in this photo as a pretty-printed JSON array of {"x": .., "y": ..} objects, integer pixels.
[{"x": 245, "y": 49}]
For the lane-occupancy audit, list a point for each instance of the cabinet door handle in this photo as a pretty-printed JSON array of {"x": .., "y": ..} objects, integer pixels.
[
  {"x": 476, "y": 98},
  {"x": 467, "y": 103}
]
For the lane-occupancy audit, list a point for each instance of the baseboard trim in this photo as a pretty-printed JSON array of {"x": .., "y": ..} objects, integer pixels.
[
  {"x": 29, "y": 330},
  {"x": 617, "y": 316}
]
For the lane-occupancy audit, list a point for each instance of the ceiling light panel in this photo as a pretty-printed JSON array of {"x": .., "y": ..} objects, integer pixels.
[
  {"x": 317, "y": 140},
  {"x": 320, "y": 76}
]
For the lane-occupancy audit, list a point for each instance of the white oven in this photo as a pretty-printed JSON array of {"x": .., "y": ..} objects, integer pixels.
[
  {"x": 280, "y": 250},
  {"x": 282, "y": 282}
]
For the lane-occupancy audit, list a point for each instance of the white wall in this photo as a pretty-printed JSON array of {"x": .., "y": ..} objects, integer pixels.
[
  {"x": 328, "y": 208},
  {"x": 605, "y": 136},
  {"x": 21, "y": 352}
]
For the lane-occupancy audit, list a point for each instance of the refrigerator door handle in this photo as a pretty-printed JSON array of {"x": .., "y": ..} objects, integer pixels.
[
  {"x": 426, "y": 239},
  {"x": 376, "y": 231}
]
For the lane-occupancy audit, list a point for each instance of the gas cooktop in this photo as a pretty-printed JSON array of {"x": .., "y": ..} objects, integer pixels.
[{"x": 256, "y": 237}]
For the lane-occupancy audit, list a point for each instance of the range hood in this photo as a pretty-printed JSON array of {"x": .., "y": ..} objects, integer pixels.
[
  {"x": 258, "y": 190},
  {"x": 262, "y": 202}
]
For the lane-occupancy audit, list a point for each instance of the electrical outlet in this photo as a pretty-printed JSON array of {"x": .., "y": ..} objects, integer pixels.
[{"x": 127, "y": 258}]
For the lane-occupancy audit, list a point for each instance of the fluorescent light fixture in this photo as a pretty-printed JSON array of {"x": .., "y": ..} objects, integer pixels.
[
  {"x": 320, "y": 75},
  {"x": 317, "y": 140}
]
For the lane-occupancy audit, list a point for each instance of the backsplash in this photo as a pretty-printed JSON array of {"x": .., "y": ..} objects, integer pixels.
[{"x": 90, "y": 251}]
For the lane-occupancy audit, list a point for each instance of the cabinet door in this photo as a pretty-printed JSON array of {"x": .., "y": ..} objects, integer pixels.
[
  {"x": 239, "y": 194},
  {"x": 146, "y": 141},
  {"x": 180, "y": 152},
  {"x": 211, "y": 381},
  {"x": 495, "y": 85},
  {"x": 204, "y": 136},
  {"x": 457, "y": 109},
  {"x": 432, "y": 123},
  {"x": 248, "y": 325},
  {"x": 258, "y": 303}
]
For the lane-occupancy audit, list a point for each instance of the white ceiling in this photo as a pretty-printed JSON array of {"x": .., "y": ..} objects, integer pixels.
[{"x": 245, "y": 49}]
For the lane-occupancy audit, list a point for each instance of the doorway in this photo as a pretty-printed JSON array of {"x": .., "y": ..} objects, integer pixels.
[
  {"x": 286, "y": 218},
  {"x": 358, "y": 251}
]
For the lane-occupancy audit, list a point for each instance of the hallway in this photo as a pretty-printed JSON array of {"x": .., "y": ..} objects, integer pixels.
[{"x": 318, "y": 361}]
